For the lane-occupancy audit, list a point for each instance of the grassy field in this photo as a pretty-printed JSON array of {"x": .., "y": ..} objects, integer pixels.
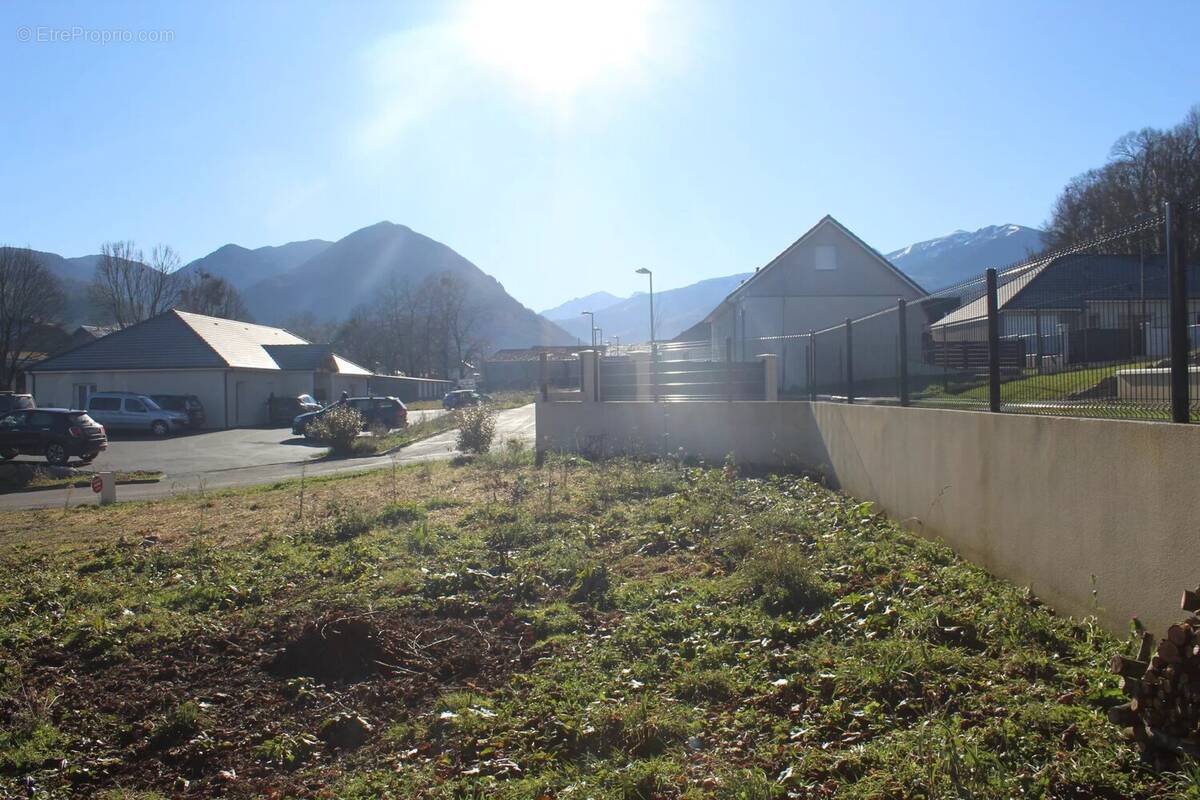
[{"x": 494, "y": 629}]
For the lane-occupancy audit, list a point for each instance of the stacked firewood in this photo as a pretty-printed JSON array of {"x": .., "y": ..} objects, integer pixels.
[{"x": 1162, "y": 717}]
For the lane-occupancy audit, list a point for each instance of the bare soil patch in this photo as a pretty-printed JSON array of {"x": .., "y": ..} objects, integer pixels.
[{"x": 234, "y": 713}]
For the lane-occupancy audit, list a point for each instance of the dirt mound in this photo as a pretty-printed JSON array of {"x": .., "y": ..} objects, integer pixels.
[{"x": 253, "y": 711}]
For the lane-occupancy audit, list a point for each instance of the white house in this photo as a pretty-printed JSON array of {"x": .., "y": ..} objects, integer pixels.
[
  {"x": 823, "y": 278},
  {"x": 232, "y": 366}
]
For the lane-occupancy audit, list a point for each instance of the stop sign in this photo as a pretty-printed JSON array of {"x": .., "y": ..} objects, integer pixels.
[{"x": 97, "y": 483}]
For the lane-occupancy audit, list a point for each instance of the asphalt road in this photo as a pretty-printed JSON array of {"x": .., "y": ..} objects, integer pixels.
[
  {"x": 516, "y": 423},
  {"x": 207, "y": 451}
]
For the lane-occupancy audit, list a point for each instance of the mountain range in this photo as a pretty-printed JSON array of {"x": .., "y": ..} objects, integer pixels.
[
  {"x": 959, "y": 256},
  {"x": 628, "y": 319},
  {"x": 934, "y": 264},
  {"x": 330, "y": 279}
]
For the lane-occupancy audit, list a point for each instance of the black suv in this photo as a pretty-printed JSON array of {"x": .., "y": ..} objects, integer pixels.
[
  {"x": 56, "y": 433},
  {"x": 386, "y": 411},
  {"x": 15, "y": 402},
  {"x": 461, "y": 398},
  {"x": 185, "y": 404}
]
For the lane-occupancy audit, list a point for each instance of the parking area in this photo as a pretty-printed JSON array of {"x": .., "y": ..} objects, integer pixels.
[{"x": 208, "y": 451}]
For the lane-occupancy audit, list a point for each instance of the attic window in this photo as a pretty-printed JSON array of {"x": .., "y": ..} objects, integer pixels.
[{"x": 826, "y": 256}]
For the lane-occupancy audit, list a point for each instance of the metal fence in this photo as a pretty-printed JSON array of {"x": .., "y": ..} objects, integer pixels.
[
  {"x": 674, "y": 371},
  {"x": 669, "y": 371},
  {"x": 1109, "y": 328}
]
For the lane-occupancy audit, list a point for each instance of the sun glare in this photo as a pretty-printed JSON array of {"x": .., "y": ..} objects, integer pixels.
[{"x": 556, "y": 48}]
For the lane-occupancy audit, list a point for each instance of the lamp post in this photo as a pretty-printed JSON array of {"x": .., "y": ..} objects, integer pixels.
[
  {"x": 653, "y": 353},
  {"x": 592, "y": 320},
  {"x": 644, "y": 271}
]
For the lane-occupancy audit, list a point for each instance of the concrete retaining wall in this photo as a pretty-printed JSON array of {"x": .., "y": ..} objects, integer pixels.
[{"x": 1045, "y": 502}]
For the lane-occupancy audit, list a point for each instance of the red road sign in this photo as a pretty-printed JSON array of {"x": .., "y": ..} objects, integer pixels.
[{"x": 97, "y": 484}]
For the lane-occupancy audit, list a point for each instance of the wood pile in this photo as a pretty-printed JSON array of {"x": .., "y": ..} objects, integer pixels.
[{"x": 1162, "y": 717}]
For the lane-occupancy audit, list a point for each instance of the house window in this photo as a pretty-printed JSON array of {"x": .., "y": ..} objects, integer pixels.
[
  {"x": 83, "y": 393},
  {"x": 826, "y": 257}
]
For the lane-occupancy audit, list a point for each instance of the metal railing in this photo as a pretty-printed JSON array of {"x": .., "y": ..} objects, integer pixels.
[{"x": 1109, "y": 328}]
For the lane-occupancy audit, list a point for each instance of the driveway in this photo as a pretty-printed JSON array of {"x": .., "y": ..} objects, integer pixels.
[
  {"x": 209, "y": 451},
  {"x": 516, "y": 423}
]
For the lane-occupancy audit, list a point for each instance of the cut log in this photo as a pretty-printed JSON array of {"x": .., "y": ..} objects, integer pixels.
[
  {"x": 1190, "y": 601},
  {"x": 1127, "y": 667},
  {"x": 1124, "y": 716}
]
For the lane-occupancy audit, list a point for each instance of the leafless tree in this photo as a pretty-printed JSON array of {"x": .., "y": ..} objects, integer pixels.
[
  {"x": 31, "y": 299},
  {"x": 1146, "y": 169},
  {"x": 213, "y": 295},
  {"x": 428, "y": 331},
  {"x": 129, "y": 289},
  {"x": 306, "y": 325}
]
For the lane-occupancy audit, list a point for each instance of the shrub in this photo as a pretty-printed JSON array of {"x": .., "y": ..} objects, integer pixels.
[
  {"x": 338, "y": 427},
  {"x": 476, "y": 428},
  {"x": 785, "y": 580}
]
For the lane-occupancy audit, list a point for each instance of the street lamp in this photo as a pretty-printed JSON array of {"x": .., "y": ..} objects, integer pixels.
[
  {"x": 591, "y": 319},
  {"x": 644, "y": 271}
]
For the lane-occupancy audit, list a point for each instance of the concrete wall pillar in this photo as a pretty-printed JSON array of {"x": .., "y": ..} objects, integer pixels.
[
  {"x": 588, "y": 381},
  {"x": 771, "y": 376}
]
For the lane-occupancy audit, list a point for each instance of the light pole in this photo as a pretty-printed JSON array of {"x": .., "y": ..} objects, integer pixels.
[
  {"x": 644, "y": 271},
  {"x": 653, "y": 352},
  {"x": 592, "y": 321}
]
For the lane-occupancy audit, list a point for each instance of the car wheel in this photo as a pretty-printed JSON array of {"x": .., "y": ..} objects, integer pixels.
[
  {"x": 6, "y": 455},
  {"x": 56, "y": 454},
  {"x": 159, "y": 428}
]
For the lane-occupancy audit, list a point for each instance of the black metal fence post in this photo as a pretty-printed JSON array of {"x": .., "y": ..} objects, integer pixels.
[
  {"x": 993, "y": 334},
  {"x": 543, "y": 376},
  {"x": 1038, "y": 354},
  {"x": 902, "y": 325},
  {"x": 729, "y": 370},
  {"x": 849, "y": 360},
  {"x": 812, "y": 365},
  {"x": 1176, "y": 221}
]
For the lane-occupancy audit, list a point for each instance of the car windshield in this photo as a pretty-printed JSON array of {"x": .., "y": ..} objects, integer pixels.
[
  {"x": 306, "y": 399},
  {"x": 82, "y": 419}
]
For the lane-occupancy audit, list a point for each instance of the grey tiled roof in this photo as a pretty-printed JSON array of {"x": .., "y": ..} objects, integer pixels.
[{"x": 176, "y": 340}]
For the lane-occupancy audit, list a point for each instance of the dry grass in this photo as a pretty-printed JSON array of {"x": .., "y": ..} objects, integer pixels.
[{"x": 232, "y": 517}]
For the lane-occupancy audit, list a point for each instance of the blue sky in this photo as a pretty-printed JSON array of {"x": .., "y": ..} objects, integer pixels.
[{"x": 560, "y": 149}]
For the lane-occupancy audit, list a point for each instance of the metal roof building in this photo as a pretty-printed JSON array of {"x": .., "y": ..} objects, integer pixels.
[{"x": 232, "y": 366}]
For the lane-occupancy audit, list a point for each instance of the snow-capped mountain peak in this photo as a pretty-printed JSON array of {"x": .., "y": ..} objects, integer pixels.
[{"x": 935, "y": 263}]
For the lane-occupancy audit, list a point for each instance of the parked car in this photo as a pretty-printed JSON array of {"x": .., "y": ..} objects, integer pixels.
[
  {"x": 185, "y": 404},
  {"x": 460, "y": 398},
  {"x": 10, "y": 401},
  {"x": 282, "y": 410},
  {"x": 385, "y": 411},
  {"x": 56, "y": 433},
  {"x": 137, "y": 412}
]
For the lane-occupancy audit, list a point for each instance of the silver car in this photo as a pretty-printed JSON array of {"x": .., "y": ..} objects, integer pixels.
[{"x": 136, "y": 412}]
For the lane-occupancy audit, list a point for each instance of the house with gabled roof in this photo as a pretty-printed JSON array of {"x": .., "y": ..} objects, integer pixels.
[
  {"x": 234, "y": 367},
  {"x": 826, "y": 276}
]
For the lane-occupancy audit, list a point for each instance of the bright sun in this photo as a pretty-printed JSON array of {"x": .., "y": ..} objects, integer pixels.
[{"x": 559, "y": 47}]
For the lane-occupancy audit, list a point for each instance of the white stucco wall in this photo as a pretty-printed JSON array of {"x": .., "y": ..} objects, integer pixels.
[
  {"x": 57, "y": 389},
  {"x": 240, "y": 393}
]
